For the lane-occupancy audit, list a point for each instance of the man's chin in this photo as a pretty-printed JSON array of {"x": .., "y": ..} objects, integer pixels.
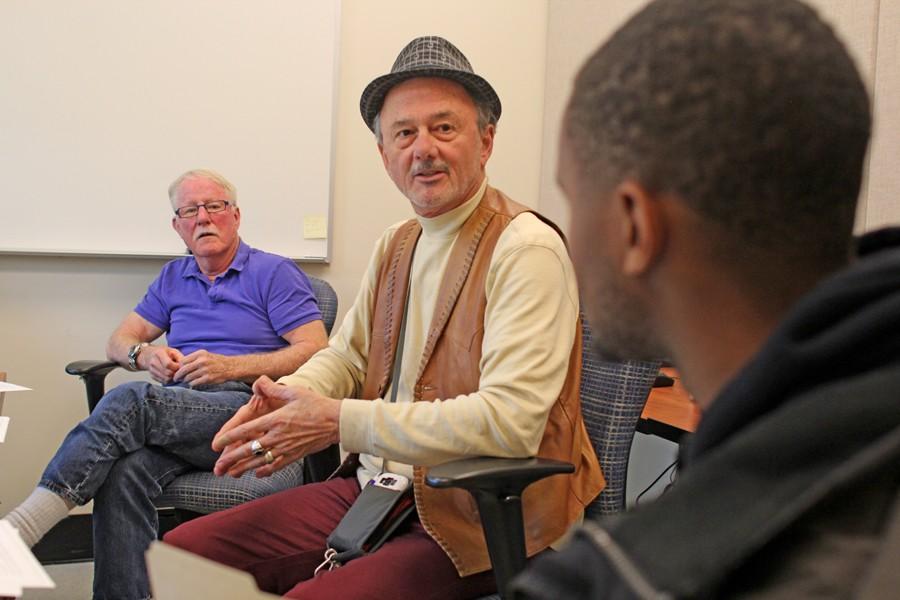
[
  {"x": 429, "y": 205},
  {"x": 206, "y": 246},
  {"x": 625, "y": 350},
  {"x": 623, "y": 339},
  {"x": 607, "y": 353}
]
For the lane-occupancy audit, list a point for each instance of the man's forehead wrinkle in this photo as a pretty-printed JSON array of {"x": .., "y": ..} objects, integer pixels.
[{"x": 405, "y": 121}]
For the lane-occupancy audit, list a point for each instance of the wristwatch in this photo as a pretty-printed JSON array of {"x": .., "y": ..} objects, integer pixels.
[{"x": 133, "y": 355}]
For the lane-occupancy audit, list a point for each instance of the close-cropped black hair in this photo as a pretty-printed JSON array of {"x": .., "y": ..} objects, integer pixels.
[{"x": 750, "y": 111}]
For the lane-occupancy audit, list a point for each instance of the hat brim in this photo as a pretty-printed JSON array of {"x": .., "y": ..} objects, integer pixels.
[{"x": 373, "y": 96}]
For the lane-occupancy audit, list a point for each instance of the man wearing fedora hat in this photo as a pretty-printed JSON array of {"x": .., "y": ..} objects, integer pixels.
[{"x": 463, "y": 341}]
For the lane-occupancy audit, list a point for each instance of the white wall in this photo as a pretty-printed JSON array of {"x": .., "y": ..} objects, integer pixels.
[{"x": 54, "y": 310}]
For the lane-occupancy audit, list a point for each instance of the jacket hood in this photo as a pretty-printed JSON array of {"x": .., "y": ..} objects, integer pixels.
[{"x": 848, "y": 324}]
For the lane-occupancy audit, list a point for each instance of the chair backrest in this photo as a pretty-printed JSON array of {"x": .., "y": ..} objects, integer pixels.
[
  {"x": 318, "y": 466},
  {"x": 613, "y": 395},
  {"x": 327, "y": 300}
]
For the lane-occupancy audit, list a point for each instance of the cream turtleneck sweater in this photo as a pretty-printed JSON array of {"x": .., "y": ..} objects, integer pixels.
[{"x": 530, "y": 320}]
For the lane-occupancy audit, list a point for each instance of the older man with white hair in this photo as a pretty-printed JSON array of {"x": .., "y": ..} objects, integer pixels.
[{"x": 230, "y": 314}]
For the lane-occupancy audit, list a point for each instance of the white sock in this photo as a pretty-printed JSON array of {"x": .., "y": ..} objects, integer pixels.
[{"x": 38, "y": 514}]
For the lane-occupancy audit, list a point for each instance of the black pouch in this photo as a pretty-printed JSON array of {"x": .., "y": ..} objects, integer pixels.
[{"x": 380, "y": 508}]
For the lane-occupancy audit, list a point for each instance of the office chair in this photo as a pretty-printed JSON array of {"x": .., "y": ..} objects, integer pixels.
[
  {"x": 200, "y": 492},
  {"x": 612, "y": 399}
]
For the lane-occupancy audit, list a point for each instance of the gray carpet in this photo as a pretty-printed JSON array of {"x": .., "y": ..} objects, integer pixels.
[{"x": 73, "y": 582}]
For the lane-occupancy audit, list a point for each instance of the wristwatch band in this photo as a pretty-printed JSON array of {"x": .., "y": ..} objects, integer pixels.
[{"x": 133, "y": 355}]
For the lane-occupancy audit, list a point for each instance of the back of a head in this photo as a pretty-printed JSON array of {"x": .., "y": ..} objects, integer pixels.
[{"x": 750, "y": 111}]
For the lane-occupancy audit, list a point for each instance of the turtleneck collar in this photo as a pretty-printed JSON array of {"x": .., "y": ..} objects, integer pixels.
[{"x": 449, "y": 223}]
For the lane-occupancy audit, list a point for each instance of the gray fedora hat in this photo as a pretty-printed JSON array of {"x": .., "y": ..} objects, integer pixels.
[{"x": 428, "y": 56}]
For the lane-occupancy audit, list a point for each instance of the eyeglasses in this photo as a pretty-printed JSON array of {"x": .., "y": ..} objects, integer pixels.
[{"x": 189, "y": 212}]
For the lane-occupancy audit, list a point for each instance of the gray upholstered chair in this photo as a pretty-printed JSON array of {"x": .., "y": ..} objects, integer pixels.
[
  {"x": 612, "y": 399},
  {"x": 201, "y": 492}
]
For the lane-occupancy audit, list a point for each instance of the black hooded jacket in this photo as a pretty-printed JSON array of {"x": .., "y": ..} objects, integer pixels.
[{"x": 786, "y": 487}]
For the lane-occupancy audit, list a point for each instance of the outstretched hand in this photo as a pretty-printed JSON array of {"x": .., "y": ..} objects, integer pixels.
[
  {"x": 289, "y": 422},
  {"x": 259, "y": 405}
]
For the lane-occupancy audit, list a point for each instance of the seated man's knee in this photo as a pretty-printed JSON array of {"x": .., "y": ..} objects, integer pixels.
[
  {"x": 188, "y": 536},
  {"x": 212, "y": 536},
  {"x": 141, "y": 475},
  {"x": 179, "y": 538},
  {"x": 124, "y": 395}
]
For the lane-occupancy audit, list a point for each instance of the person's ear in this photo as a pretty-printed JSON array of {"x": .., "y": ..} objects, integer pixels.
[
  {"x": 381, "y": 153},
  {"x": 487, "y": 143},
  {"x": 642, "y": 227}
]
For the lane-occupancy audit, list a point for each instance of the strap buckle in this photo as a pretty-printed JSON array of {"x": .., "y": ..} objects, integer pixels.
[{"x": 329, "y": 561}]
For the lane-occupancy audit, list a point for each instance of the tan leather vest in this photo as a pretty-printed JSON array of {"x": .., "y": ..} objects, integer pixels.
[{"x": 450, "y": 367}]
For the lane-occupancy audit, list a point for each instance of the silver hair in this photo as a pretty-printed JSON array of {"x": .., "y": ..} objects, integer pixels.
[{"x": 207, "y": 174}]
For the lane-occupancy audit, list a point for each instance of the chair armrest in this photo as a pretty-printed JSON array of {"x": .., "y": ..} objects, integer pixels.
[
  {"x": 84, "y": 368},
  {"x": 495, "y": 475},
  {"x": 663, "y": 380},
  {"x": 93, "y": 373},
  {"x": 321, "y": 465},
  {"x": 497, "y": 485}
]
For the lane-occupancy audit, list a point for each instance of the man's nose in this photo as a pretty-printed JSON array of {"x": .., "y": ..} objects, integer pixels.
[
  {"x": 202, "y": 214},
  {"x": 424, "y": 146}
]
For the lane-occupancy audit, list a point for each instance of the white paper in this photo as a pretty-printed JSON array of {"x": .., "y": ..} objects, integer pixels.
[
  {"x": 19, "y": 568},
  {"x": 179, "y": 575},
  {"x": 5, "y": 386},
  {"x": 4, "y": 425},
  {"x": 8, "y": 587}
]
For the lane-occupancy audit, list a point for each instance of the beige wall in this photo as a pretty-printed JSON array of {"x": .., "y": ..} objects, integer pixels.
[
  {"x": 54, "y": 310},
  {"x": 868, "y": 27},
  {"x": 884, "y": 176}
]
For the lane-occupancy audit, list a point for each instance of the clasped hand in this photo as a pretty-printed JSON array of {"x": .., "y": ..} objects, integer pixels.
[
  {"x": 288, "y": 422},
  {"x": 167, "y": 365}
]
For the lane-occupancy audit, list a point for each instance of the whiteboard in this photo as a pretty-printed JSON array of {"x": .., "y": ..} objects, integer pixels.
[{"x": 105, "y": 102}]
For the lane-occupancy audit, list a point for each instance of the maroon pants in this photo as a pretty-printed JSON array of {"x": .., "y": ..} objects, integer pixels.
[{"x": 280, "y": 540}]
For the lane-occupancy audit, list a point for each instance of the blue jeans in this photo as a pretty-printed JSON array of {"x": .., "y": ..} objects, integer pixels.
[{"x": 139, "y": 437}]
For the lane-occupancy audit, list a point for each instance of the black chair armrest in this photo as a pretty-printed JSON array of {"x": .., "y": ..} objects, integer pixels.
[
  {"x": 93, "y": 373},
  {"x": 321, "y": 465},
  {"x": 91, "y": 367},
  {"x": 497, "y": 485},
  {"x": 495, "y": 475},
  {"x": 663, "y": 380}
]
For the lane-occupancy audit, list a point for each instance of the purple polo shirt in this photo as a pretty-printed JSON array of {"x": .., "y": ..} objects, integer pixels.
[{"x": 245, "y": 310}]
